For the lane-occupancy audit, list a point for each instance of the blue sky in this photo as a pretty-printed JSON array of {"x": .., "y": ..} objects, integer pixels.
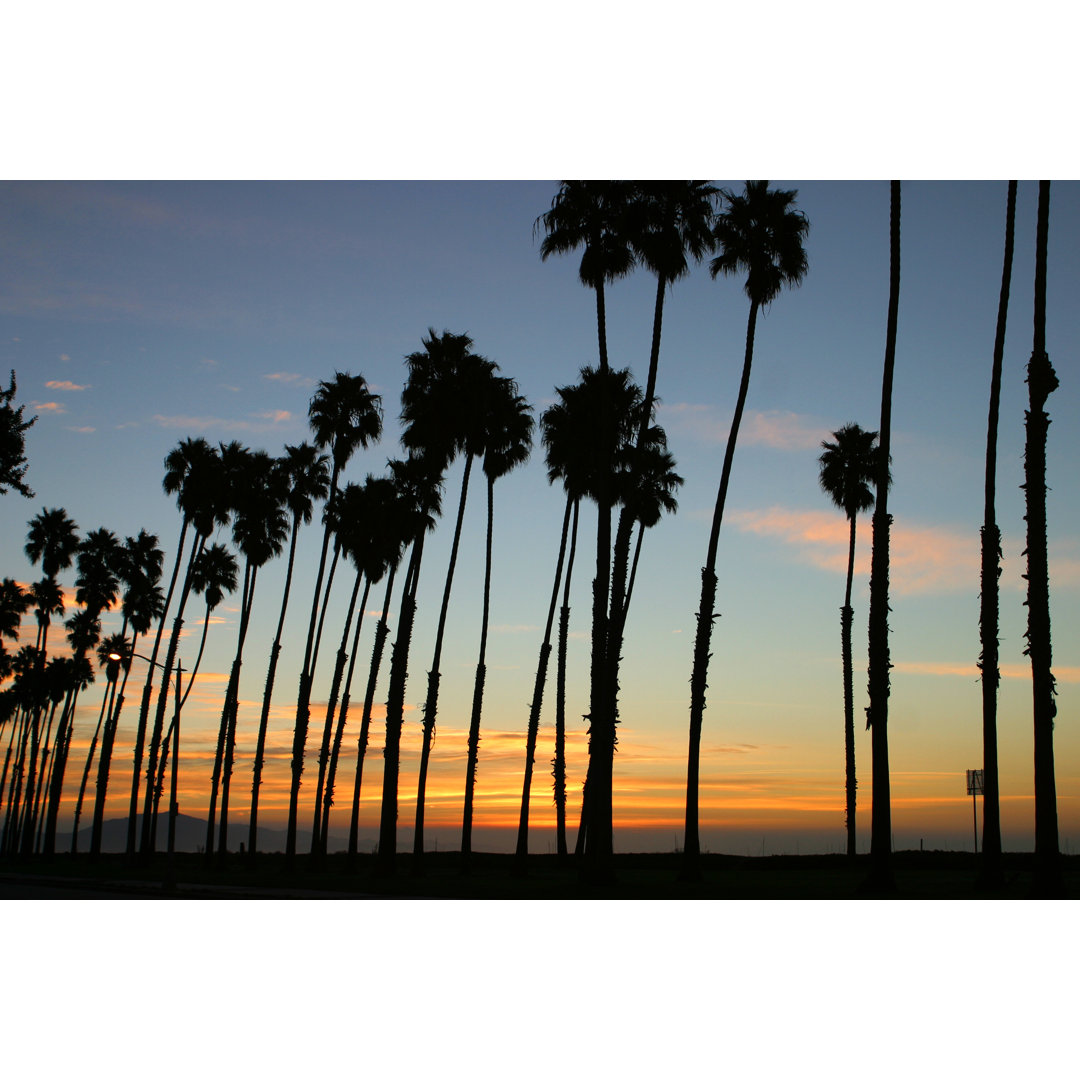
[{"x": 137, "y": 314}]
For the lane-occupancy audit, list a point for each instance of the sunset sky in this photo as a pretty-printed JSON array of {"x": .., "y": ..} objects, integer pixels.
[{"x": 138, "y": 314}]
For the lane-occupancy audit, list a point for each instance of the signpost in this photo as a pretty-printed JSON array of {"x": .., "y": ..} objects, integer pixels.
[{"x": 975, "y": 787}]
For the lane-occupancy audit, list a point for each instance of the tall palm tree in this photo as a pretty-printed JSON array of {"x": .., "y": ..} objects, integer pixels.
[
  {"x": 444, "y": 408},
  {"x": 877, "y": 713},
  {"x": 377, "y": 549},
  {"x": 509, "y": 442},
  {"x": 113, "y": 652},
  {"x": 760, "y": 234},
  {"x": 991, "y": 875},
  {"x": 143, "y": 605},
  {"x": 354, "y": 523},
  {"x": 306, "y": 474},
  {"x": 573, "y": 447},
  {"x": 1042, "y": 381},
  {"x": 214, "y": 574},
  {"x": 420, "y": 481},
  {"x": 847, "y": 468},
  {"x": 193, "y": 475},
  {"x": 595, "y": 216},
  {"x": 343, "y": 414},
  {"x": 400, "y": 515},
  {"x": 260, "y": 526}
]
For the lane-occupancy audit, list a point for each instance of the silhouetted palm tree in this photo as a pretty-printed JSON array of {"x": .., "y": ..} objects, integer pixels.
[
  {"x": 113, "y": 652},
  {"x": 193, "y": 474},
  {"x": 848, "y": 466},
  {"x": 400, "y": 516},
  {"x": 877, "y": 713},
  {"x": 990, "y": 875},
  {"x": 758, "y": 233},
  {"x": 595, "y": 216},
  {"x": 509, "y": 442},
  {"x": 1042, "y": 381},
  {"x": 142, "y": 606},
  {"x": 419, "y": 480},
  {"x": 13, "y": 430},
  {"x": 443, "y": 406},
  {"x": 344, "y": 414},
  {"x": 260, "y": 526},
  {"x": 307, "y": 478},
  {"x": 214, "y": 574},
  {"x": 353, "y": 523}
]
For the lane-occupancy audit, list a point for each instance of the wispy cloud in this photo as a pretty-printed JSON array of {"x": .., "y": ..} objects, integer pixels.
[
  {"x": 65, "y": 384},
  {"x": 47, "y": 407},
  {"x": 260, "y": 422},
  {"x": 83, "y": 430},
  {"x": 775, "y": 428},
  {"x": 923, "y": 558},
  {"x": 290, "y": 377},
  {"x": 970, "y": 670}
]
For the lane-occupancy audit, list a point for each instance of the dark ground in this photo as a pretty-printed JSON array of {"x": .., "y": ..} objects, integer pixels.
[{"x": 940, "y": 875}]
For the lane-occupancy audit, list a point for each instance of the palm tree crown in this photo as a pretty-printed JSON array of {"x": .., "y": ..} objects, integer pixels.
[
  {"x": 848, "y": 468},
  {"x": 759, "y": 234}
]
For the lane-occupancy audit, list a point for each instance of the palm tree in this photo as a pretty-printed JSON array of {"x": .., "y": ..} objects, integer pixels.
[
  {"x": 378, "y": 550},
  {"x": 509, "y": 442},
  {"x": 877, "y": 713},
  {"x": 213, "y": 575},
  {"x": 343, "y": 414},
  {"x": 260, "y": 526},
  {"x": 758, "y": 233},
  {"x": 572, "y": 441},
  {"x": 13, "y": 430},
  {"x": 354, "y": 522},
  {"x": 991, "y": 875},
  {"x": 595, "y": 216},
  {"x": 848, "y": 466},
  {"x": 306, "y": 474},
  {"x": 142, "y": 606},
  {"x": 1042, "y": 381},
  {"x": 113, "y": 652},
  {"x": 444, "y": 408},
  {"x": 193, "y": 475},
  {"x": 420, "y": 481}
]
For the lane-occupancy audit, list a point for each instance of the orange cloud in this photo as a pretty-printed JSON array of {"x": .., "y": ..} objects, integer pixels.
[
  {"x": 970, "y": 671},
  {"x": 775, "y": 428},
  {"x": 47, "y": 406},
  {"x": 64, "y": 384}
]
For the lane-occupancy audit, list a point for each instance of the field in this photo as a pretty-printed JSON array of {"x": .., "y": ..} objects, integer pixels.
[{"x": 919, "y": 876}]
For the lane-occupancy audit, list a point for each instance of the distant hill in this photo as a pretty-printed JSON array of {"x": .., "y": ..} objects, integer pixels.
[{"x": 191, "y": 836}]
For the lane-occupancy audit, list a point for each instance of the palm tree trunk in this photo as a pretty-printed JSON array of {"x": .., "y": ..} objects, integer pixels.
[
  {"x": 846, "y": 615},
  {"x": 268, "y": 692},
  {"x": 558, "y": 764},
  {"x": 991, "y": 875},
  {"x": 431, "y": 703},
  {"x": 699, "y": 677},
  {"x": 395, "y": 712},
  {"x": 538, "y": 694},
  {"x": 877, "y": 714},
  {"x": 1042, "y": 381},
  {"x": 381, "y": 631},
  {"x": 478, "y": 690},
  {"x": 339, "y": 733}
]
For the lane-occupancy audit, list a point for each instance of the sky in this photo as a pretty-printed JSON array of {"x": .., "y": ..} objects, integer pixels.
[
  {"x": 165, "y": 299},
  {"x": 137, "y": 314}
]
